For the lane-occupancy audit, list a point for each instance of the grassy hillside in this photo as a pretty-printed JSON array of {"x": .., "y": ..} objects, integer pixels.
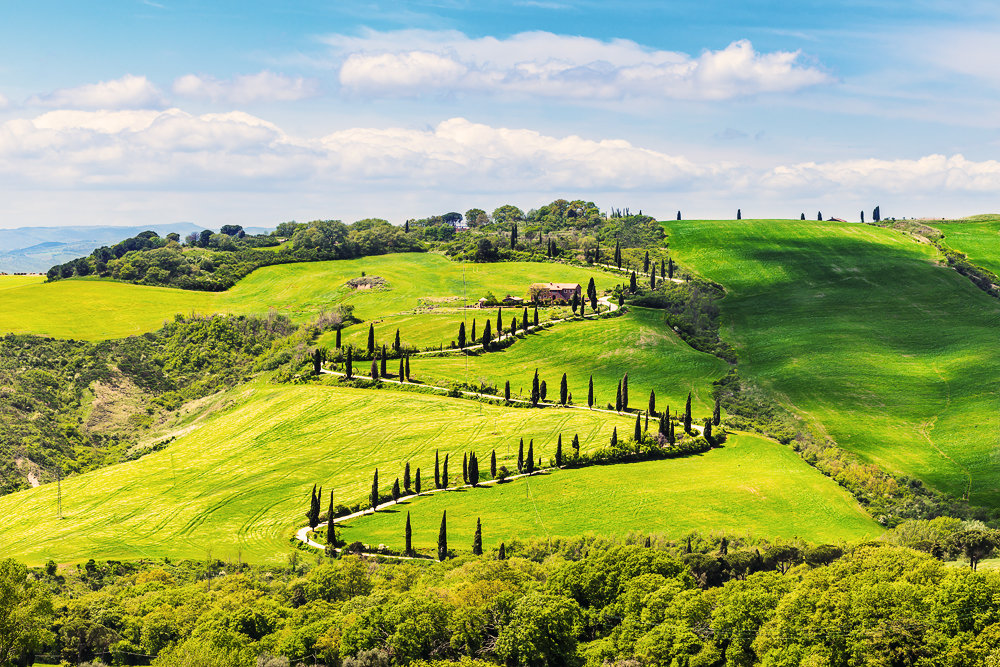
[
  {"x": 749, "y": 486},
  {"x": 977, "y": 238},
  {"x": 638, "y": 343},
  {"x": 864, "y": 333},
  {"x": 92, "y": 309},
  {"x": 241, "y": 482}
]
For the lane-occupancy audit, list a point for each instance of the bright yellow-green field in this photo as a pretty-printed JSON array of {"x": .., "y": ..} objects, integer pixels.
[
  {"x": 979, "y": 238},
  {"x": 639, "y": 343},
  {"x": 749, "y": 486},
  {"x": 92, "y": 309},
  {"x": 241, "y": 482}
]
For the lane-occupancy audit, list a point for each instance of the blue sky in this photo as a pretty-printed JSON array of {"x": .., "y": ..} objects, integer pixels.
[{"x": 249, "y": 112}]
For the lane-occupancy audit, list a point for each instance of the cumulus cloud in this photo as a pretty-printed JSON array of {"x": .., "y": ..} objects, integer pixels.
[
  {"x": 128, "y": 92},
  {"x": 417, "y": 62},
  {"x": 245, "y": 88}
]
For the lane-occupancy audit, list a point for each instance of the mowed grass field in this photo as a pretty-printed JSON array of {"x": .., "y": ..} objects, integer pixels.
[
  {"x": 240, "y": 483},
  {"x": 977, "y": 237},
  {"x": 749, "y": 486},
  {"x": 863, "y": 333},
  {"x": 92, "y": 309},
  {"x": 639, "y": 343}
]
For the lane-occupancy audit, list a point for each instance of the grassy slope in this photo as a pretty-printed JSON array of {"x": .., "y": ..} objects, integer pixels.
[
  {"x": 242, "y": 480},
  {"x": 865, "y": 335},
  {"x": 751, "y": 485},
  {"x": 980, "y": 240},
  {"x": 638, "y": 343},
  {"x": 92, "y": 309}
]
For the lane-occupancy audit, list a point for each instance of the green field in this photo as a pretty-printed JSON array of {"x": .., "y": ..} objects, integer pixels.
[
  {"x": 241, "y": 482},
  {"x": 639, "y": 343},
  {"x": 863, "y": 333},
  {"x": 979, "y": 238},
  {"x": 749, "y": 486},
  {"x": 92, "y": 309}
]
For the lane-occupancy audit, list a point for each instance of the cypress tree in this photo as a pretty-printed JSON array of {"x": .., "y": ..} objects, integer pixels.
[
  {"x": 402, "y": 369},
  {"x": 632, "y": 286},
  {"x": 416, "y": 482},
  {"x": 338, "y": 338},
  {"x": 406, "y": 477},
  {"x": 652, "y": 278},
  {"x": 407, "y": 368},
  {"x": 664, "y": 420},
  {"x": 651, "y": 410},
  {"x": 444, "y": 472},
  {"x": 382, "y": 363},
  {"x": 317, "y": 362},
  {"x": 592, "y": 293},
  {"x": 461, "y": 335},
  {"x": 465, "y": 468},
  {"x": 524, "y": 320},
  {"x": 687, "y": 414},
  {"x": 374, "y": 494},
  {"x": 477, "y": 540},
  {"x": 536, "y": 314},
  {"x": 331, "y": 527},
  {"x": 486, "y": 336},
  {"x": 618, "y": 398},
  {"x": 472, "y": 338},
  {"x": 614, "y": 437},
  {"x": 590, "y": 392},
  {"x": 513, "y": 326},
  {"x": 648, "y": 542},
  {"x": 349, "y": 364},
  {"x": 708, "y": 430},
  {"x": 563, "y": 390},
  {"x": 678, "y": 215},
  {"x": 493, "y": 464},
  {"x": 506, "y": 391},
  {"x": 618, "y": 254},
  {"x": 443, "y": 537},
  {"x": 672, "y": 438},
  {"x": 473, "y": 469},
  {"x": 543, "y": 390},
  {"x": 396, "y": 344},
  {"x": 575, "y": 303},
  {"x": 437, "y": 470},
  {"x": 803, "y": 217},
  {"x": 395, "y": 491},
  {"x": 717, "y": 410},
  {"x": 530, "y": 461},
  {"x": 819, "y": 215},
  {"x": 313, "y": 515},
  {"x": 645, "y": 263},
  {"x": 670, "y": 268},
  {"x": 520, "y": 456},
  {"x": 637, "y": 436},
  {"x": 502, "y": 554},
  {"x": 645, "y": 427},
  {"x": 739, "y": 214},
  {"x": 663, "y": 269},
  {"x": 877, "y": 214},
  {"x": 409, "y": 537},
  {"x": 499, "y": 321},
  {"x": 406, "y": 227},
  {"x": 625, "y": 392},
  {"x": 374, "y": 370},
  {"x": 534, "y": 390},
  {"x": 583, "y": 308},
  {"x": 862, "y": 217},
  {"x": 371, "y": 338},
  {"x": 559, "y": 451},
  {"x": 576, "y": 444},
  {"x": 513, "y": 237}
]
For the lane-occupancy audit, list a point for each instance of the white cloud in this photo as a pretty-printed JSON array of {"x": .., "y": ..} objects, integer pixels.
[
  {"x": 128, "y": 92},
  {"x": 417, "y": 62},
  {"x": 245, "y": 88}
]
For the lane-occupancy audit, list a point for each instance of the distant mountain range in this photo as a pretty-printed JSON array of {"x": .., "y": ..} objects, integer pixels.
[{"x": 35, "y": 249}]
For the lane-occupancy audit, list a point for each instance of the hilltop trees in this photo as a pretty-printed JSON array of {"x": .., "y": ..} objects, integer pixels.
[{"x": 877, "y": 214}]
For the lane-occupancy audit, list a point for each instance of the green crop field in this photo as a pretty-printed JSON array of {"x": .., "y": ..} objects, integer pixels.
[
  {"x": 866, "y": 335},
  {"x": 240, "y": 483},
  {"x": 639, "y": 343},
  {"x": 749, "y": 486},
  {"x": 979, "y": 238},
  {"x": 91, "y": 309}
]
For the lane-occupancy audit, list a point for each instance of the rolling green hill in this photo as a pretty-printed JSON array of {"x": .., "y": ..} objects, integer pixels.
[
  {"x": 92, "y": 309},
  {"x": 864, "y": 334},
  {"x": 749, "y": 486},
  {"x": 639, "y": 343},
  {"x": 978, "y": 237}
]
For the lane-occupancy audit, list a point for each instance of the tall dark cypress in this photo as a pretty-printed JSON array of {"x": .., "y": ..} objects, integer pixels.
[
  {"x": 645, "y": 426},
  {"x": 625, "y": 392},
  {"x": 652, "y": 402},
  {"x": 559, "y": 451},
  {"x": 530, "y": 461},
  {"x": 473, "y": 469},
  {"x": 563, "y": 390},
  {"x": 317, "y": 362},
  {"x": 444, "y": 472},
  {"x": 618, "y": 398},
  {"x": 670, "y": 268},
  {"x": 374, "y": 494},
  {"x": 395, "y": 491},
  {"x": 502, "y": 553},
  {"x": 506, "y": 391},
  {"x": 590, "y": 392},
  {"x": 406, "y": 477},
  {"x": 819, "y": 215},
  {"x": 513, "y": 326},
  {"x": 499, "y": 321},
  {"x": 407, "y": 368},
  {"x": 374, "y": 370},
  {"x": 313, "y": 514},
  {"x": 349, "y": 364},
  {"x": 402, "y": 369},
  {"x": 487, "y": 334},
  {"x": 472, "y": 338},
  {"x": 803, "y": 217},
  {"x": 534, "y": 390},
  {"x": 543, "y": 390},
  {"x": 637, "y": 436},
  {"x": 331, "y": 527},
  {"x": 409, "y": 537},
  {"x": 652, "y": 278},
  {"x": 524, "y": 320},
  {"x": 461, "y": 335},
  {"x": 614, "y": 437},
  {"x": 493, "y": 464},
  {"x": 663, "y": 269},
  {"x": 443, "y": 537},
  {"x": 739, "y": 214},
  {"x": 416, "y": 482},
  {"x": 465, "y": 468},
  {"x": 618, "y": 254},
  {"x": 520, "y": 456},
  {"x": 632, "y": 286},
  {"x": 645, "y": 263},
  {"x": 382, "y": 363},
  {"x": 708, "y": 430},
  {"x": 396, "y": 344},
  {"x": 592, "y": 293},
  {"x": 717, "y": 410},
  {"x": 513, "y": 237},
  {"x": 576, "y": 444},
  {"x": 664, "y": 420},
  {"x": 687, "y": 414},
  {"x": 575, "y": 303},
  {"x": 371, "y": 338},
  {"x": 437, "y": 470},
  {"x": 338, "y": 338},
  {"x": 536, "y": 315},
  {"x": 678, "y": 215},
  {"x": 477, "y": 540}
]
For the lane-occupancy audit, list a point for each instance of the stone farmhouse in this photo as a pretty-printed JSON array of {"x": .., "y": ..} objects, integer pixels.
[{"x": 551, "y": 293}]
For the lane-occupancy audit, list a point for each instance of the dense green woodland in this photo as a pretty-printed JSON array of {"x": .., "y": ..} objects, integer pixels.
[{"x": 578, "y": 602}]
